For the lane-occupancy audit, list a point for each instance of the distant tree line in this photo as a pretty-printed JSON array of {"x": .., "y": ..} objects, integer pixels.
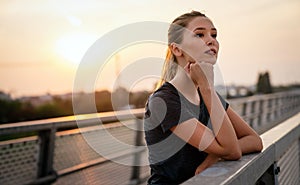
[{"x": 16, "y": 110}]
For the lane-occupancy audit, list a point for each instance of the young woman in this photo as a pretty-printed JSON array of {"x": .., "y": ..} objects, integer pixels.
[{"x": 188, "y": 126}]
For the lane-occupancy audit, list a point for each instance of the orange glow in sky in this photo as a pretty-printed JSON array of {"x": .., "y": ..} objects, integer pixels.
[{"x": 42, "y": 42}]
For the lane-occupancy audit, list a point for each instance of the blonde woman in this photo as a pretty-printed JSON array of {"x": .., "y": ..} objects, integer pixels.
[{"x": 188, "y": 126}]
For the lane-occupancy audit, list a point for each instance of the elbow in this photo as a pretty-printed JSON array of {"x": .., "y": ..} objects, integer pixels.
[
  {"x": 233, "y": 154},
  {"x": 259, "y": 145}
]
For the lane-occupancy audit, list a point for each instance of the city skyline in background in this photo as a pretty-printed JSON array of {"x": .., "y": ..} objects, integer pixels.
[{"x": 42, "y": 42}]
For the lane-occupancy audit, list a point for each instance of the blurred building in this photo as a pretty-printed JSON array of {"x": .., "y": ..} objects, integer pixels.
[{"x": 239, "y": 91}]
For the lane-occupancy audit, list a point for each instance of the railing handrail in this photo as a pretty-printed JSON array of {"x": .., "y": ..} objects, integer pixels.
[
  {"x": 70, "y": 121},
  {"x": 266, "y": 96}
]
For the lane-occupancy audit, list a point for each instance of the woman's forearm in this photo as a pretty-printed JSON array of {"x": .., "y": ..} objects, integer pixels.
[
  {"x": 248, "y": 139},
  {"x": 249, "y": 144},
  {"x": 221, "y": 123}
]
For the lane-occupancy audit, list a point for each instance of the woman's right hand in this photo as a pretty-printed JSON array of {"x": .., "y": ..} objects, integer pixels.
[
  {"x": 202, "y": 73},
  {"x": 209, "y": 160}
]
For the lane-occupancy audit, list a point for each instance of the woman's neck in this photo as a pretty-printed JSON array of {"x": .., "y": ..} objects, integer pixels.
[{"x": 186, "y": 86}]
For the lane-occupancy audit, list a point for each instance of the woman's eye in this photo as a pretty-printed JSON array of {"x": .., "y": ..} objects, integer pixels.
[
  {"x": 199, "y": 35},
  {"x": 214, "y": 35}
]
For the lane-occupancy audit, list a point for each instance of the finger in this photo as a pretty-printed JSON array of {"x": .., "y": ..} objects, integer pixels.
[
  {"x": 187, "y": 67},
  {"x": 192, "y": 61},
  {"x": 195, "y": 67}
]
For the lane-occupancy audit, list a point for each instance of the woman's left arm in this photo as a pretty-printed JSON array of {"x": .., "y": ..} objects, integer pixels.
[{"x": 248, "y": 139}]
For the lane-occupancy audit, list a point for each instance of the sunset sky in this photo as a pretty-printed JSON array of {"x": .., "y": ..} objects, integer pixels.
[{"x": 43, "y": 41}]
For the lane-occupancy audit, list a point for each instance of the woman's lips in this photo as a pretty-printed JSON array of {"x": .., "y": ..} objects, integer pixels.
[{"x": 211, "y": 52}]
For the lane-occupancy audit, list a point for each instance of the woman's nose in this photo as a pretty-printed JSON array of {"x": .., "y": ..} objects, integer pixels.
[{"x": 210, "y": 41}]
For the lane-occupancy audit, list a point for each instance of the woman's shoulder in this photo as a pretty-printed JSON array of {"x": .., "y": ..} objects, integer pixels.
[{"x": 166, "y": 91}]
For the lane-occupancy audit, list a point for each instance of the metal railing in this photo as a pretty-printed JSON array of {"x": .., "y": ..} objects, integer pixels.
[
  {"x": 53, "y": 154},
  {"x": 262, "y": 112},
  {"x": 278, "y": 163},
  {"x": 58, "y": 153}
]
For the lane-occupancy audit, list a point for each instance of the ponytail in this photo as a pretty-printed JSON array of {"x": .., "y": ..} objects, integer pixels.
[{"x": 169, "y": 69}]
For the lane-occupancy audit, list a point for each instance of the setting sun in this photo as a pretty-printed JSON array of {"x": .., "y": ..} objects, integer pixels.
[{"x": 72, "y": 47}]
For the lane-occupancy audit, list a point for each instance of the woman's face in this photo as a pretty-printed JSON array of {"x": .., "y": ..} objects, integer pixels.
[{"x": 199, "y": 42}]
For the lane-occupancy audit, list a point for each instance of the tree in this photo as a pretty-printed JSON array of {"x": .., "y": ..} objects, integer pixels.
[{"x": 263, "y": 85}]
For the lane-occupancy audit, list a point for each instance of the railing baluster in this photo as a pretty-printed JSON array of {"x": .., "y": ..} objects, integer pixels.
[
  {"x": 46, "y": 154},
  {"x": 135, "y": 173}
]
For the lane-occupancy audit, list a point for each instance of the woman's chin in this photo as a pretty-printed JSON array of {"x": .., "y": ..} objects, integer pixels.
[{"x": 211, "y": 60}]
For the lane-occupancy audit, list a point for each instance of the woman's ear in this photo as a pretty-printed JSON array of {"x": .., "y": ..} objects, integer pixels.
[{"x": 175, "y": 49}]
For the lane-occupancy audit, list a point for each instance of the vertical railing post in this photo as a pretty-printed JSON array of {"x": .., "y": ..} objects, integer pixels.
[
  {"x": 252, "y": 113},
  {"x": 269, "y": 108},
  {"x": 276, "y": 105},
  {"x": 270, "y": 176},
  {"x": 262, "y": 116},
  {"x": 244, "y": 110},
  {"x": 46, "y": 154},
  {"x": 135, "y": 171}
]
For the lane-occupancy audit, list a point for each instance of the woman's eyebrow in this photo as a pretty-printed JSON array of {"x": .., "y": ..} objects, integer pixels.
[{"x": 202, "y": 28}]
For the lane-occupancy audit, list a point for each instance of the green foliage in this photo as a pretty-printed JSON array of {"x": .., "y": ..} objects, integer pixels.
[
  {"x": 16, "y": 110},
  {"x": 263, "y": 85},
  {"x": 10, "y": 110},
  {"x": 103, "y": 101}
]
